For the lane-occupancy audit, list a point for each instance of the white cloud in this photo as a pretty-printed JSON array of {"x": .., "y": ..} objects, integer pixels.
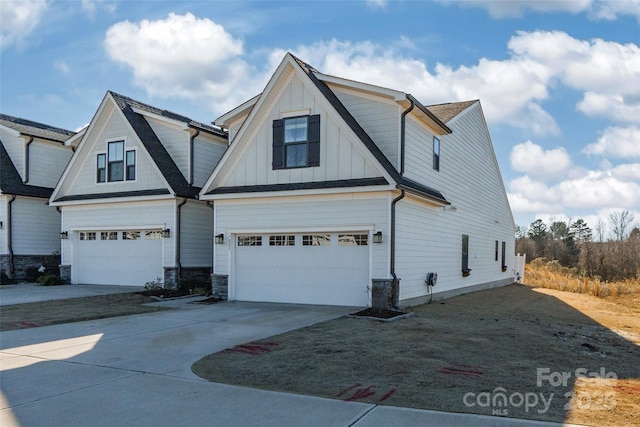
[
  {"x": 377, "y": 4},
  {"x": 61, "y": 66},
  {"x": 542, "y": 164},
  {"x": 611, "y": 106},
  {"x": 596, "y": 9},
  {"x": 617, "y": 142},
  {"x": 19, "y": 19},
  {"x": 89, "y": 7},
  {"x": 185, "y": 57}
]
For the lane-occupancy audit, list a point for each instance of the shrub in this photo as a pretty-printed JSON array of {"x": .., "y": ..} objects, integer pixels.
[
  {"x": 49, "y": 280},
  {"x": 154, "y": 285}
]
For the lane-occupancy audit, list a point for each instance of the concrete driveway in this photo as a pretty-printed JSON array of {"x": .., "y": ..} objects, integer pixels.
[{"x": 136, "y": 370}]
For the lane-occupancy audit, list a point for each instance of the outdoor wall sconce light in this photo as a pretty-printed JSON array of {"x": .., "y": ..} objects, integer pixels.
[
  {"x": 377, "y": 237},
  {"x": 219, "y": 239},
  {"x": 64, "y": 235},
  {"x": 166, "y": 232}
]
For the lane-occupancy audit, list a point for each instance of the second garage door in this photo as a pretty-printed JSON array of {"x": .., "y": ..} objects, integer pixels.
[
  {"x": 130, "y": 257},
  {"x": 314, "y": 268}
]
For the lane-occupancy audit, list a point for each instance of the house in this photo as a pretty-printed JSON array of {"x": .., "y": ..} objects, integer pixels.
[
  {"x": 32, "y": 158},
  {"x": 339, "y": 192},
  {"x": 130, "y": 213}
]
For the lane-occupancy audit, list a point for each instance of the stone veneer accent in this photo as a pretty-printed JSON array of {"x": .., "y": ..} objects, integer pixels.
[
  {"x": 172, "y": 278},
  {"x": 220, "y": 286},
  {"x": 22, "y": 264}
]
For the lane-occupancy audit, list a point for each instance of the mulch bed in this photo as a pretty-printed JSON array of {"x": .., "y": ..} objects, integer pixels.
[
  {"x": 383, "y": 314},
  {"x": 210, "y": 300}
]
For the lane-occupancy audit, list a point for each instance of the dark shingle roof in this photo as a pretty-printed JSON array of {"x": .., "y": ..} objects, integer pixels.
[
  {"x": 40, "y": 130},
  {"x": 301, "y": 186},
  {"x": 154, "y": 147},
  {"x": 170, "y": 115},
  {"x": 11, "y": 182},
  {"x": 448, "y": 111},
  {"x": 402, "y": 182}
]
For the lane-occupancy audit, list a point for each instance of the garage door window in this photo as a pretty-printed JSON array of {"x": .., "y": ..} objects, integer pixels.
[
  {"x": 90, "y": 235},
  {"x": 108, "y": 235},
  {"x": 282, "y": 240},
  {"x": 353, "y": 239},
  {"x": 130, "y": 235},
  {"x": 249, "y": 240},
  {"x": 316, "y": 240},
  {"x": 153, "y": 235}
]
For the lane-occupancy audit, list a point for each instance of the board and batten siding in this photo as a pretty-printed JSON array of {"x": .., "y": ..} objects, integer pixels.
[
  {"x": 46, "y": 163},
  {"x": 380, "y": 119},
  {"x": 470, "y": 179},
  {"x": 196, "y": 234},
  {"x": 176, "y": 142},
  {"x": 36, "y": 227},
  {"x": 114, "y": 127},
  {"x": 116, "y": 217},
  {"x": 206, "y": 155},
  {"x": 4, "y": 201},
  {"x": 347, "y": 211},
  {"x": 341, "y": 155}
]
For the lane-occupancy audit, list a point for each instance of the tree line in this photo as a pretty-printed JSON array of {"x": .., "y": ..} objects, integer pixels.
[{"x": 574, "y": 244}]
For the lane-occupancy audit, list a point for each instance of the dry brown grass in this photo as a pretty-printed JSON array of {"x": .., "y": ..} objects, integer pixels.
[{"x": 551, "y": 275}]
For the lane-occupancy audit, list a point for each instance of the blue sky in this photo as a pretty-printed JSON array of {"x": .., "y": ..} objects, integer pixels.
[{"x": 559, "y": 81}]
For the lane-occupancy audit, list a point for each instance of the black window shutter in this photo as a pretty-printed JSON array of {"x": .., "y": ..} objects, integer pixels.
[
  {"x": 314, "y": 140},
  {"x": 278, "y": 144}
]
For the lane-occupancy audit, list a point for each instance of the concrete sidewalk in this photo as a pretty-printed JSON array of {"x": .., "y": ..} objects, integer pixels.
[
  {"x": 32, "y": 292},
  {"x": 136, "y": 370}
]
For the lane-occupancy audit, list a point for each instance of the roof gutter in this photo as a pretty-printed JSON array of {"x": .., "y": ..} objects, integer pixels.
[
  {"x": 403, "y": 125},
  {"x": 12, "y": 267},
  {"x": 432, "y": 116},
  {"x": 26, "y": 159}
]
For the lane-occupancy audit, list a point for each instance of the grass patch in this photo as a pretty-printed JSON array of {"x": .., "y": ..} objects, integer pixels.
[
  {"x": 45, "y": 313},
  {"x": 476, "y": 343}
]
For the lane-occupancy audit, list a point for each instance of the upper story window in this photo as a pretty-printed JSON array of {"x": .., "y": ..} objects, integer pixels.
[
  {"x": 115, "y": 155},
  {"x": 116, "y": 165},
  {"x": 296, "y": 142},
  {"x": 436, "y": 153}
]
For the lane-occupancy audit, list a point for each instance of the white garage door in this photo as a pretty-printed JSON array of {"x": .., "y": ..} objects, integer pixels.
[
  {"x": 318, "y": 268},
  {"x": 131, "y": 257}
]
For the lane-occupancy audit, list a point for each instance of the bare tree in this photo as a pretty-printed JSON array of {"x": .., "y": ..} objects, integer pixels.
[
  {"x": 600, "y": 229},
  {"x": 620, "y": 222}
]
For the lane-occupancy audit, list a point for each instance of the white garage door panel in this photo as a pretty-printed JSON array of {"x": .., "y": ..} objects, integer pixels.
[
  {"x": 119, "y": 262},
  {"x": 332, "y": 275}
]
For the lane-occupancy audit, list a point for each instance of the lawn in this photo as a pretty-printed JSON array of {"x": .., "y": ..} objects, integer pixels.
[
  {"x": 513, "y": 351},
  {"x": 53, "y": 312}
]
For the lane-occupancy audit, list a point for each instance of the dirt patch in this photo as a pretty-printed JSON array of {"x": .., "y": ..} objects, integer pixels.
[
  {"x": 45, "y": 313},
  {"x": 513, "y": 351}
]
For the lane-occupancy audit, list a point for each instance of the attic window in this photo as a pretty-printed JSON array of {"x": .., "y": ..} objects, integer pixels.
[
  {"x": 296, "y": 142},
  {"x": 115, "y": 167}
]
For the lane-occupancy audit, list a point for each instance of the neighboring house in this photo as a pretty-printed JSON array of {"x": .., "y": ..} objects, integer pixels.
[
  {"x": 32, "y": 158},
  {"x": 333, "y": 190},
  {"x": 130, "y": 213}
]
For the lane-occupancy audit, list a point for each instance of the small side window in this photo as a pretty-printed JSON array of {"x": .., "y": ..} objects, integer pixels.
[
  {"x": 131, "y": 165},
  {"x": 496, "y": 250},
  {"x": 436, "y": 153},
  {"x": 465, "y": 255},
  {"x": 504, "y": 256},
  {"x": 101, "y": 168}
]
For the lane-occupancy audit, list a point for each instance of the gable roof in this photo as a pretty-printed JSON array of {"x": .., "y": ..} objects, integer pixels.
[
  {"x": 152, "y": 144},
  {"x": 449, "y": 110},
  {"x": 402, "y": 182},
  {"x": 35, "y": 129},
  {"x": 11, "y": 181}
]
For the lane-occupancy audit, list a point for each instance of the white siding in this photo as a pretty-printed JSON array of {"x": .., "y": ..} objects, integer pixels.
[
  {"x": 15, "y": 147},
  {"x": 36, "y": 227},
  {"x": 46, "y": 163},
  {"x": 431, "y": 240},
  {"x": 119, "y": 216},
  {"x": 176, "y": 141},
  {"x": 4, "y": 200},
  {"x": 354, "y": 211},
  {"x": 196, "y": 238},
  {"x": 341, "y": 154},
  {"x": 110, "y": 126},
  {"x": 206, "y": 155},
  {"x": 381, "y": 120}
]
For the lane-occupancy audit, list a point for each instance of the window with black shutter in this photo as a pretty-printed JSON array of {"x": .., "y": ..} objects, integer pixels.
[{"x": 296, "y": 142}]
